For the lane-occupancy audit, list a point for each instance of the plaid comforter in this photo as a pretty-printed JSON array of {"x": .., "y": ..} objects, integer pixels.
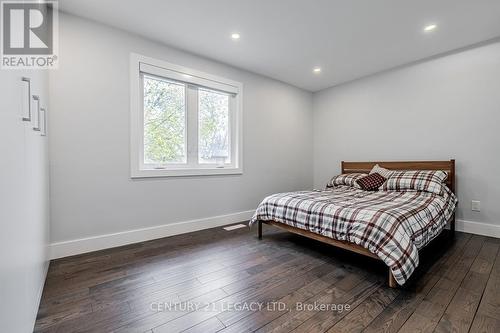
[{"x": 394, "y": 225}]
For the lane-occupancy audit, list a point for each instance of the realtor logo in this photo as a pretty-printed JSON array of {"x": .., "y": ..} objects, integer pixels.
[{"x": 29, "y": 34}]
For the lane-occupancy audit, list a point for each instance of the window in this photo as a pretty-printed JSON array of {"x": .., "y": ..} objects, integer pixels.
[
  {"x": 164, "y": 106},
  {"x": 213, "y": 127},
  {"x": 183, "y": 122}
]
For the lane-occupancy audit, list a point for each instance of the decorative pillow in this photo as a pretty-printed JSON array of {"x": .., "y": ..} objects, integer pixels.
[
  {"x": 381, "y": 171},
  {"x": 347, "y": 179},
  {"x": 371, "y": 182},
  {"x": 419, "y": 180}
]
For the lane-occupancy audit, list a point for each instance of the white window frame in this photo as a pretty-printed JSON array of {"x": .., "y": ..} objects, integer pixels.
[{"x": 140, "y": 64}]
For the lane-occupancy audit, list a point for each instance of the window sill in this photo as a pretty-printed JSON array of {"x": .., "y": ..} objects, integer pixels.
[{"x": 152, "y": 173}]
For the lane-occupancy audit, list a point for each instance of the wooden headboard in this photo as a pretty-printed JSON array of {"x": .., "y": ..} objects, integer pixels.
[{"x": 365, "y": 167}]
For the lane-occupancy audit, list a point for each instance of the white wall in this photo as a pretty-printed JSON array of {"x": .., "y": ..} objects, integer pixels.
[
  {"x": 444, "y": 108},
  {"x": 24, "y": 223},
  {"x": 91, "y": 190}
]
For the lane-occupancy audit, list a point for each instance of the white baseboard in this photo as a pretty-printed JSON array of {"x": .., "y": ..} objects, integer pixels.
[
  {"x": 478, "y": 228},
  {"x": 95, "y": 243}
]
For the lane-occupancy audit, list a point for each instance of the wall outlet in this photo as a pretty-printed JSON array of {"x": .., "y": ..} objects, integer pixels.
[{"x": 476, "y": 206}]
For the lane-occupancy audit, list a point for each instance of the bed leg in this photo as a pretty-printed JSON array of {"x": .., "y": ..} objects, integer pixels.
[
  {"x": 392, "y": 280},
  {"x": 452, "y": 227},
  {"x": 260, "y": 229}
]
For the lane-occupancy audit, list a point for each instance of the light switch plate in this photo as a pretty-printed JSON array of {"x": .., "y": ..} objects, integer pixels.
[{"x": 476, "y": 206}]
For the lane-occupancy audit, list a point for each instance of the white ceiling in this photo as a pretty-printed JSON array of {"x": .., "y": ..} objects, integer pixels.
[{"x": 285, "y": 39}]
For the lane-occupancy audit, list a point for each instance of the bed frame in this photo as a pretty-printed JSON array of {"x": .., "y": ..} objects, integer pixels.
[{"x": 365, "y": 167}]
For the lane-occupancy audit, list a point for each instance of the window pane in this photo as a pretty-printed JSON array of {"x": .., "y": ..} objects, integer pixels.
[
  {"x": 213, "y": 127},
  {"x": 164, "y": 122}
]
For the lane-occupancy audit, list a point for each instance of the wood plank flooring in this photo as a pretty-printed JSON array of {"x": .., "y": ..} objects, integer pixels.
[{"x": 229, "y": 281}]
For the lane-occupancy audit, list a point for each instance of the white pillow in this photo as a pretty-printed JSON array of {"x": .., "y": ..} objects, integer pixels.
[{"x": 381, "y": 171}]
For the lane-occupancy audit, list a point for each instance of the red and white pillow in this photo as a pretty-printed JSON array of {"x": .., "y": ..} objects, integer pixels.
[
  {"x": 418, "y": 180},
  {"x": 371, "y": 182},
  {"x": 346, "y": 179}
]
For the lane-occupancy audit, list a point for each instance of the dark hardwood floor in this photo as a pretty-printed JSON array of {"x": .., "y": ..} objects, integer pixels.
[{"x": 211, "y": 277}]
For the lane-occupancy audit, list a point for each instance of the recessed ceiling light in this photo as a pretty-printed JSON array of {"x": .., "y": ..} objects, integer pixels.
[
  {"x": 430, "y": 27},
  {"x": 317, "y": 70},
  {"x": 235, "y": 36}
]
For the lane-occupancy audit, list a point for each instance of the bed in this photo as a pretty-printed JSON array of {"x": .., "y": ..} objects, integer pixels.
[{"x": 392, "y": 226}]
